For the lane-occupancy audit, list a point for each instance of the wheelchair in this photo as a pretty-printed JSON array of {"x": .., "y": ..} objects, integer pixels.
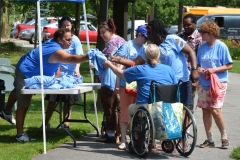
[{"x": 142, "y": 134}]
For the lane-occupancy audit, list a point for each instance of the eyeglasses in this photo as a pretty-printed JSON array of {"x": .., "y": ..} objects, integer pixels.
[
  {"x": 202, "y": 32},
  {"x": 69, "y": 39}
]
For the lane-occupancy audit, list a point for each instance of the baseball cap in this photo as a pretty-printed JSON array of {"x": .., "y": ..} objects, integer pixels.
[{"x": 142, "y": 29}]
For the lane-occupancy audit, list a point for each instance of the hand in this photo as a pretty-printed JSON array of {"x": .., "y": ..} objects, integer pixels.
[
  {"x": 210, "y": 71},
  {"x": 114, "y": 58},
  {"x": 91, "y": 66},
  {"x": 200, "y": 70},
  {"x": 195, "y": 75},
  {"x": 107, "y": 64},
  {"x": 58, "y": 72},
  {"x": 76, "y": 72}
]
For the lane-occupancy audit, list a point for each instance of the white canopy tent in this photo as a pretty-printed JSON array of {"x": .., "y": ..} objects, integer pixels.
[{"x": 40, "y": 56}]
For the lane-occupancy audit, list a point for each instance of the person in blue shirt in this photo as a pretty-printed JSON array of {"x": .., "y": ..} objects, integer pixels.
[
  {"x": 131, "y": 50},
  {"x": 144, "y": 74},
  {"x": 53, "y": 54},
  {"x": 70, "y": 69},
  {"x": 213, "y": 58},
  {"x": 173, "y": 50}
]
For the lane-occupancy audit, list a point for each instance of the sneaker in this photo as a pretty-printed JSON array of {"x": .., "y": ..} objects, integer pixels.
[
  {"x": 8, "y": 117},
  {"x": 122, "y": 146},
  {"x": 225, "y": 143},
  {"x": 67, "y": 128},
  {"x": 22, "y": 138},
  {"x": 207, "y": 144}
]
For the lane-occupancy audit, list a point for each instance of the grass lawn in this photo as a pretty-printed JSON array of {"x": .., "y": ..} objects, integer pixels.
[{"x": 12, "y": 150}]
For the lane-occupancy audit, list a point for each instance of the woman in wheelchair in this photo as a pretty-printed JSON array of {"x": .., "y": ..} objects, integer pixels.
[{"x": 144, "y": 74}]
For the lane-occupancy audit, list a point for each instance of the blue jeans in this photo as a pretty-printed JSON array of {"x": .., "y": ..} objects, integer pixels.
[{"x": 186, "y": 95}]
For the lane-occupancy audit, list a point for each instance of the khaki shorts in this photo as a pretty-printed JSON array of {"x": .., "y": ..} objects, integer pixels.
[{"x": 22, "y": 99}]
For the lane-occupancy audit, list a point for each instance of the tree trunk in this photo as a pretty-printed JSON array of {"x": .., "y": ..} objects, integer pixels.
[
  {"x": 180, "y": 10},
  {"x": 77, "y": 19},
  {"x": 1, "y": 17},
  {"x": 103, "y": 16}
]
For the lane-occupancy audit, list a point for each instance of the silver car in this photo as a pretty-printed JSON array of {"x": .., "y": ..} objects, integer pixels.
[
  {"x": 13, "y": 32},
  {"x": 28, "y": 34}
]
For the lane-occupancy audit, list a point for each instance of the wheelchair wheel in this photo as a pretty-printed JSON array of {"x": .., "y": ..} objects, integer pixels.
[
  {"x": 186, "y": 144},
  {"x": 167, "y": 146},
  {"x": 142, "y": 132},
  {"x": 130, "y": 148},
  {"x": 103, "y": 129}
]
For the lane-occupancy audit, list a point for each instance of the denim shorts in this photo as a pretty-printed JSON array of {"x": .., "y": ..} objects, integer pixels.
[{"x": 186, "y": 95}]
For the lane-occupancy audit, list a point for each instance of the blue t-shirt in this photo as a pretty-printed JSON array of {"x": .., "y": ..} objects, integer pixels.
[
  {"x": 29, "y": 64},
  {"x": 212, "y": 57},
  {"x": 171, "y": 55},
  {"x": 144, "y": 74},
  {"x": 130, "y": 50},
  {"x": 76, "y": 49}
]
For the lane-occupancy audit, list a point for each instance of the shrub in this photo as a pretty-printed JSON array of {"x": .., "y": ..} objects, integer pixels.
[
  {"x": 234, "y": 47},
  {"x": 10, "y": 46}
]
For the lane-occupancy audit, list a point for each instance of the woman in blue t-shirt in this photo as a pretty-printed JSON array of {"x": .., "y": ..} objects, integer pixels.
[
  {"x": 71, "y": 69},
  {"x": 213, "y": 59},
  {"x": 144, "y": 74}
]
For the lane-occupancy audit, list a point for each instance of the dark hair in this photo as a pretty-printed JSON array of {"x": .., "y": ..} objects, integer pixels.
[
  {"x": 109, "y": 25},
  {"x": 65, "y": 18},
  {"x": 60, "y": 33},
  {"x": 158, "y": 31},
  {"x": 192, "y": 17}
]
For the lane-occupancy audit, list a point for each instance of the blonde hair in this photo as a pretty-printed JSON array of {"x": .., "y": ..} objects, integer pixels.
[
  {"x": 210, "y": 28},
  {"x": 152, "y": 54}
]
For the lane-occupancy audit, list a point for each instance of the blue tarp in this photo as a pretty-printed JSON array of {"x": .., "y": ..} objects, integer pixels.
[{"x": 81, "y": 1}]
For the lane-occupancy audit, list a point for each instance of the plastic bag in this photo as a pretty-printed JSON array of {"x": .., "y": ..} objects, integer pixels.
[
  {"x": 172, "y": 124},
  {"x": 155, "y": 110},
  {"x": 131, "y": 88},
  {"x": 168, "y": 126}
]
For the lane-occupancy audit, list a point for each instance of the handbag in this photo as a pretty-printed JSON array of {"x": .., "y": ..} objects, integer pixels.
[{"x": 167, "y": 116}]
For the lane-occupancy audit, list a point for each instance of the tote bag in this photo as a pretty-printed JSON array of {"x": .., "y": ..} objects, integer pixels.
[{"x": 167, "y": 117}]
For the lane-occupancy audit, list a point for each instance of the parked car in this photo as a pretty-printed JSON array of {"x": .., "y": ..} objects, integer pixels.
[
  {"x": 13, "y": 32},
  {"x": 173, "y": 29},
  {"x": 49, "y": 30},
  {"x": 29, "y": 35},
  {"x": 229, "y": 24},
  {"x": 31, "y": 24}
]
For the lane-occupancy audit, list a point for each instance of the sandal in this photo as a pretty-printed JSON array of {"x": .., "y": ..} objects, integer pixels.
[{"x": 122, "y": 146}]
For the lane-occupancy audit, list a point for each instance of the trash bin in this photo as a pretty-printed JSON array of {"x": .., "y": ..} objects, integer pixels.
[{"x": 2, "y": 95}]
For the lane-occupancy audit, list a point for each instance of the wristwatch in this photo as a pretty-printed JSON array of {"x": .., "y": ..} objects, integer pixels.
[{"x": 194, "y": 68}]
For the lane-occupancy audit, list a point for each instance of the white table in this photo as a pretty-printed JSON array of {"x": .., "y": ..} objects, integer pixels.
[{"x": 80, "y": 88}]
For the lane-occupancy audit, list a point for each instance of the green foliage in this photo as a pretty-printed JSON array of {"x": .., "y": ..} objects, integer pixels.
[
  {"x": 235, "y": 153},
  {"x": 6, "y": 46},
  {"x": 234, "y": 48}
]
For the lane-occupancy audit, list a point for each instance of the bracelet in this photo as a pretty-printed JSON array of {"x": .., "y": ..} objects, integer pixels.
[{"x": 119, "y": 59}]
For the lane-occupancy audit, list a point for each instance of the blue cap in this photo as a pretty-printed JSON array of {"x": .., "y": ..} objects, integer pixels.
[{"x": 142, "y": 29}]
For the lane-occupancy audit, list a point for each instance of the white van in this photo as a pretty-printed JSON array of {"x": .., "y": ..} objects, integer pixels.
[{"x": 136, "y": 24}]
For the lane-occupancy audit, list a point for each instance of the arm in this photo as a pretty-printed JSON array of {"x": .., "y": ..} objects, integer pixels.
[
  {"x": 64, "y": 57},
  {"x": 116, "y": 70},
  {"x": 127, "y": 62},
  {"x": 190, "y": 52},
  {"x": 218, "y": 69},
  {"x": 76, "y": 71}
]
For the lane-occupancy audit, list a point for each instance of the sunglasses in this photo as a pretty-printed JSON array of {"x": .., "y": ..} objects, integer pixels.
[
  {"x": 69, "y": 39},
  {"x": 202, "y": 32}
]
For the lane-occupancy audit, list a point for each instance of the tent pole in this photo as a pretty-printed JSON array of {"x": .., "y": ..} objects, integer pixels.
[
  {"x": 88, "y": 46},
  {"x": 41, "y": 73}
]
